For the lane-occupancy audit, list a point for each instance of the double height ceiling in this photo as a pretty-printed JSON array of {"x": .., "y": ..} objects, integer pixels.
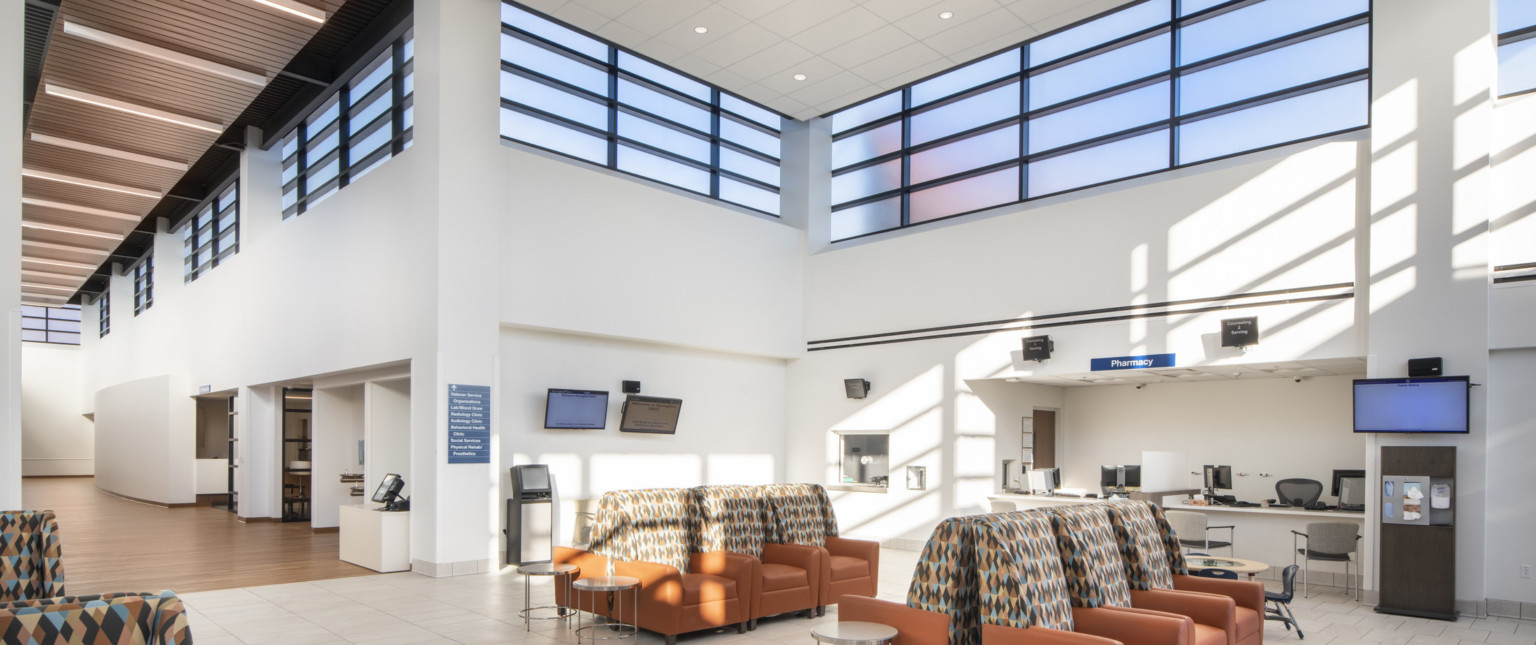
[{"x": 125, "y": 101}]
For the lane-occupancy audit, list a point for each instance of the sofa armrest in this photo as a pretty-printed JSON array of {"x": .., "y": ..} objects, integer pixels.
[
  {"x": 914, "y": 626},
  {"x": 660, "y": 584},
  {"x": 171, "y": 626},
  {"x": 1244, "y": 593},
  {"x": 744, "y": 569},
  {"x": 1001, "y": 635},
  {"x": 1131, "y": 625},
  {"x": 1206, "y": 609},
  {"x": 867, "y": 550}
]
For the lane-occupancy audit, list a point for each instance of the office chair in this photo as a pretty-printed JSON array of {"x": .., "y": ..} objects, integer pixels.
[
  {"x": 1277, "y": 601},
  {"x": 1327, "y": 542},
  {"x": 1193, "y": 532},
  {"x": 1299, "y": 492}
]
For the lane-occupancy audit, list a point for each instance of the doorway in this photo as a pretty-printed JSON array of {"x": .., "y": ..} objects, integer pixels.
[
  {"x": 1044, "y": 429},
  {"x": 298, "y": 404}
]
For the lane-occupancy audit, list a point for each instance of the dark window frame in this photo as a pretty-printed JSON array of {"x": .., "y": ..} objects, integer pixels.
[
  {"x": 224, "y": 201},
  {"x": 1171, "y": 125},
  {"x": 143, "y": 273},
  {"x": 104, "y": 314},
  {"x": 48, "y": 318}
]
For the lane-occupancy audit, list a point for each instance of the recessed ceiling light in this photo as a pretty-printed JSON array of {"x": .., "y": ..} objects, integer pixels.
[
  {"x": 89, "y": 183},
  {"x": 109, "y": 152},
  {"x": 799, "y": 77},
  {"x": 946, "y": 15},
  {"x": 71, "y": 230},
  {"x": 124, "y": 106},
  {"x": 701, "y": 30},
  {"x": 154, "y": 51},
  {"x": 296, "y": 8}
]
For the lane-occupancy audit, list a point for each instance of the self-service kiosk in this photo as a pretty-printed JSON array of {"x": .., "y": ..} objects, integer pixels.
[{"x": 532, "y": 512}]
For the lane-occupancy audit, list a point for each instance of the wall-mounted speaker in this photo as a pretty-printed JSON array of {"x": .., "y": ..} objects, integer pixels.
[
  {"x": 631, "y": 387},
  {"x": 1424, "y": 366},
  {"x": 856, "y": 388}
]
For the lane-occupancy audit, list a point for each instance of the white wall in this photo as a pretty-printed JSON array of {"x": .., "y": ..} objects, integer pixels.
[
  {"x": 55, "y": 438},
  {"x": 1511, "y": 443},
  {"x": 338, "y": 426},
  {"x": 731, "y": 428},
  {"x": 147, "y": 426},
  {"x": 11, "y": 22},
  {"x": 1274, "y": 426},
  {"x": 1273, "y": 220},
  {"x": 386, "y": 432}
]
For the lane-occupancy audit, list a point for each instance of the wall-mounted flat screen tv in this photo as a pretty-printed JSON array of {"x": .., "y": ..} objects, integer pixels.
[
  {"x": 651, "y": 414},
  {"x": 1432, "y": 404},
  {"x": 580, "y": 409}
]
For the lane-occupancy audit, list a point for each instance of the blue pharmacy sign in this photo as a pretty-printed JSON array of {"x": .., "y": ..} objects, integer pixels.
[
  {"x": 1132, "y": 362},
  {"x": 469, "y": 424}
]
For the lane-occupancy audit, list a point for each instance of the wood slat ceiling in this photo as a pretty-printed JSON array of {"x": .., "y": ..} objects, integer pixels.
[{"x": 237, "y": 33}]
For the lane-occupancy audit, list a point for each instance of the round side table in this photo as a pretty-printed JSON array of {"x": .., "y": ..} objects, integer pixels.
[
  {"x": 854, "y": 632},
  {"x": 611, "y": 585},
  {"x": 562, "y": 610}
]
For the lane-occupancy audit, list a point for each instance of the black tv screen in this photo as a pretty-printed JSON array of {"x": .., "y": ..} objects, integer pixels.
[
  {"x": 580, "y": 409},
  {"x": 1434, "y": 404},
  {"x": 651, "y": 414}
]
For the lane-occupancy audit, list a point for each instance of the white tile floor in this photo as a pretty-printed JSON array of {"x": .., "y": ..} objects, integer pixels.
[{"x": 408, "y": 608}]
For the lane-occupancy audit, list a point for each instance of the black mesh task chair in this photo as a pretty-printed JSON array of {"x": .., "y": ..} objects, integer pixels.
[
  {"x": 1298, "y": 492},
  {"x": 1277, "y": 604}
]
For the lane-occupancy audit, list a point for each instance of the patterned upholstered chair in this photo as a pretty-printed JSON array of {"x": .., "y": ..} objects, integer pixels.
[
  {"x": 802, "y": 514},
  {"x": 30, "y": 563},
  {"x": 150, "y": 618},
  {"x": 647, "y": 534},
  {"x": 1096, "y": 577},
  {"x": 1021, "y": 586},
  {"x": 1150, "y": 549},
  {"x": 734, "y": 519}
]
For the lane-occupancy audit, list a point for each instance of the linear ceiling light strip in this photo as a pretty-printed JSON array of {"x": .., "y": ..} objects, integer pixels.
[
  {"x": 71, "y": 230},
  {"x": 124, "y": 106},
  {"x": 296, "y": 8},
  {"x": 65, "y": 247},
  {"x": 90, "y": 183},
  {"x": 46, "y": 203},
  {"x": 107, "y": 152},
  {"x": 59, "y": 263},
  {"x": 160, "y": 53},
  {"x": 50, "y": 287},
  {"x": 49, "y": 274}
]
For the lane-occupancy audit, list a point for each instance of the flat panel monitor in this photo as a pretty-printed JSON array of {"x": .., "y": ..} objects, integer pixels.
[
  {"x": 651, "y": 414},
  {"x": 389, "y": 489},
  {"x": 531, "y": 480},
  {"x": 1126, "y": 476},
  {"x": 576, "y": 409},
  {"x": 1218, "y": 477},
  {"x": 1044, "y": 480},
  {"x": 1349, "y": 487},
  {"x": 1433, "y": 404}
]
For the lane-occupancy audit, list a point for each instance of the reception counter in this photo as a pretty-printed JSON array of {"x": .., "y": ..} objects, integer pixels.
[{"x": 1262, "y": 534}]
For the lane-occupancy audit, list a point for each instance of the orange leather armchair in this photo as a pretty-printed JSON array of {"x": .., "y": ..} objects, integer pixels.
[
  {"x": 913, "y": 626},
  {"x": 733, "y": 519},
  {"x": 802, "y": 514}
]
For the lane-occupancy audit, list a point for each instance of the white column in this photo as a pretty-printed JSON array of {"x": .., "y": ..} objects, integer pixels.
[
  {"x": 454, "y": 506},
  {"x": 1428, "y": 237},
  {"x": 11, "y": 39},
  {"x": 258, "y": 452}
]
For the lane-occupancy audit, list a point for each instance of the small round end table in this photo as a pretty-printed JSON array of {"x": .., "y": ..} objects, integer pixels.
[
  {"x": 562, "y": 610},
  {"x": 611, "y": 585},
  {"x": 854, "y": 632}
]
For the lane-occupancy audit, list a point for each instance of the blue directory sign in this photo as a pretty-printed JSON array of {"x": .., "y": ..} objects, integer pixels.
[
  {"x": 469, "y": 424},
  {"x": 1132, "y": 362}
]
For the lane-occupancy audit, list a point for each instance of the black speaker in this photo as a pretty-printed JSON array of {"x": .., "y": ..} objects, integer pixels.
[
  {"x": 856, "y": 388},
  {"x": 1038, "y": 348},
  {"x": 1424, "y": 366},
  {"x": 631, "y": 387}
]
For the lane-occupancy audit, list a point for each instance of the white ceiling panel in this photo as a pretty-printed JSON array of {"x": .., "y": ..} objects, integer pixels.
[
  {"x": 800, "y": 15},
  {"x": 839, "y": 29}
]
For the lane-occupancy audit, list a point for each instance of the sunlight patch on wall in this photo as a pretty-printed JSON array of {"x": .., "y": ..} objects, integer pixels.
[
  {"x": 908, "y": 401},
  {"x": 972, "y": 416},
  {"x": 640, "y": 470},
  {"x": 1394, "y": 240},
  {"x": 1395, "y": 115},
  {"x": 739, "y": 469},
  {"x": 1386, "y": 290}
]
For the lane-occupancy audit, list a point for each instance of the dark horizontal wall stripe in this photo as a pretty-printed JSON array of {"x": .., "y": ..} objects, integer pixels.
[
  {"x": 1017, "y": 324},
  {"x": 1515, "y": 278},
  {"x": 1515, "y": 267}
]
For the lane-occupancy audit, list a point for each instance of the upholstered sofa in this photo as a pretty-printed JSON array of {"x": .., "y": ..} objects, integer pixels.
[
  {"x": 734, "y": 519},
  {"x": 1004, "y": 571},
  {"x": 152, "y": 619},
  {"x": 802, "y": 514},
  {"x": 648, "y": 535},
  {"x": 30, "y": 563}
]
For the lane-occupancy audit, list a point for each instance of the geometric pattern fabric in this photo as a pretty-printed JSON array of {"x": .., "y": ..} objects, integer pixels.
[
  {"x": 730, "y": 518},
  {"x": 97, "y": 619},
  {"x": 799, "y": 514},
  {"x": 1020, "y": 574},
  {"x": 1090, "y": 556},
  {"x": 1150, "y": 558},
  {"x": 30, "y": 564},
  {"x": 945, "y": 579}
]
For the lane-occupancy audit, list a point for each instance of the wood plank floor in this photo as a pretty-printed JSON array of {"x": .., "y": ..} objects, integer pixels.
[{"x": 112, "y": 544}]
